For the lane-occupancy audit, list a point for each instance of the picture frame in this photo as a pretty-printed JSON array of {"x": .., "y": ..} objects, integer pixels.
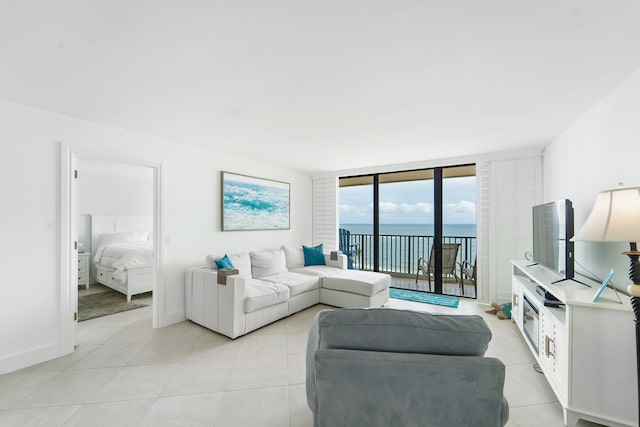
[
  {"x": 252, "y": 203},
  {"x": 604, "y": 284}
]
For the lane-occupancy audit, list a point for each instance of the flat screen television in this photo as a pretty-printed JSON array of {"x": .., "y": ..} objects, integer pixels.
[{"x": 552, "y": 233}]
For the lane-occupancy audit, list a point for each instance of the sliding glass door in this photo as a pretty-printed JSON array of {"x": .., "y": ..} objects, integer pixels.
[
  {"x": 459, "y": 240},
  {"x": 406, "y": 222},
  {"x": 418, "y": 226}
]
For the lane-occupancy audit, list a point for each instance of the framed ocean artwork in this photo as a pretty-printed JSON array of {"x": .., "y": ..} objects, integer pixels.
[{"x": 250, "y": 203}]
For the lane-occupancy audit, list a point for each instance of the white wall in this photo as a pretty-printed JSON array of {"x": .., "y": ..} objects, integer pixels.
[
  {"x": 108, "y": 188},
  {"x": 31, "y": 217},
  {"x": 599, "y": 150},
  {"x": 514, "y": 187}
]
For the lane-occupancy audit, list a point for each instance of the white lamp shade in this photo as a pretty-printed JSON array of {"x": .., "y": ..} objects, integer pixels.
[{"x": 615, "y": 217}]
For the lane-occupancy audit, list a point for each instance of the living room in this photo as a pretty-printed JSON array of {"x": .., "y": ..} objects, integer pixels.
[{"x": 589, "y": 145}]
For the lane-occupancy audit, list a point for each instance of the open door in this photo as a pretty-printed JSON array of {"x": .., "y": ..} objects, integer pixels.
[
  {"x": 68, "y": 251},
  {"x": 73, "y": 231}
]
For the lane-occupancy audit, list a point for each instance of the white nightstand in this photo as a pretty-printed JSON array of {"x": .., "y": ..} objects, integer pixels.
[{"x": 83, "y": 269}]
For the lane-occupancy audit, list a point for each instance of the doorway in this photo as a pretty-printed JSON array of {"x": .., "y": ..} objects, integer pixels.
[
  {"x": 71, "y": 160},
  {"x": 115, "y": 238}
]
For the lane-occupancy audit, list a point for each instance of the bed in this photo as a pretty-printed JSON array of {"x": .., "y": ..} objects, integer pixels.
[{"x": 122, "y": 252}]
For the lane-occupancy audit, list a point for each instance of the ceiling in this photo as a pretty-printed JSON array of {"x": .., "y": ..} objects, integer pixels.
[{"x": 323, "y": 85}]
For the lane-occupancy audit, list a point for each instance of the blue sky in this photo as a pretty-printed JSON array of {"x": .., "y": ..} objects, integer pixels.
[{"x": 410, "y": 202}]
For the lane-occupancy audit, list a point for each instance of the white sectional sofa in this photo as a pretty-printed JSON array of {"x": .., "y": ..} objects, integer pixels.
[{"x": 273, "y": 284}]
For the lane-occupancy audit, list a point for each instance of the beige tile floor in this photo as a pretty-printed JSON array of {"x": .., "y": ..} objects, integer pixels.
[{"x": 124, "y": 373}]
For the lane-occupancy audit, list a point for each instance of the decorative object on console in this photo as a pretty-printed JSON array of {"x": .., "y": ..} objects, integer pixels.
[
  {"x": 250, "y": 203},
  {"x": 615, "y": 217},
  {"x": 604, "y": 284}
]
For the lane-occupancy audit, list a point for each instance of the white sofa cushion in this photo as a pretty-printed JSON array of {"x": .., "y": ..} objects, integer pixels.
[
  {"x": 267, "y": 263},
  {"x": 319, "y": 270},
  {"x": 260, "y": 294},
  {"x": 242, "y": 262},
  {"x": 297, "y": 283},
  {"x": 366, "y": 283},
  {"x": 294, "y": 256}
]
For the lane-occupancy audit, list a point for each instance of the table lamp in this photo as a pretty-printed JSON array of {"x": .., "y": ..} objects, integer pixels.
[{"x": 615, "y": 217}]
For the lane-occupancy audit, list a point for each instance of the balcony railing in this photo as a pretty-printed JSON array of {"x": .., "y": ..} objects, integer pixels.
[{"x": 399, "y": 254}]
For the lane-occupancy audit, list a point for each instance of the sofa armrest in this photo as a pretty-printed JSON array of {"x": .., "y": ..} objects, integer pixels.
[
  {"x": 215, "y": 306},
  {"x": 340, "y": 263},
  {"x": 381, "y": 388},
  {"x": 231, "y": 307}
]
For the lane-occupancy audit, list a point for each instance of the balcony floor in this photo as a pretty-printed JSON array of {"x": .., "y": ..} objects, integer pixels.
[{"x": 449, "y": 288}]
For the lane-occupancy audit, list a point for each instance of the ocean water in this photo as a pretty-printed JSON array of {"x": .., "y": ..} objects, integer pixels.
[
  {"x": 454, "y": 230},
  {"x": 400, "y": 254}
]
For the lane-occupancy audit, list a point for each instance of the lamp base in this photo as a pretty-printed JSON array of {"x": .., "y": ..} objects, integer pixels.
[{"x": 634, "y": 290}]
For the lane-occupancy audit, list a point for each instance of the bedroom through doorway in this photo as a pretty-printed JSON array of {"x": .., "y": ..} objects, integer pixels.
[{"x": 115, "y": 237}]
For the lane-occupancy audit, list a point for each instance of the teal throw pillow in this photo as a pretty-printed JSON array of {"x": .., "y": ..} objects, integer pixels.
[
  {"x": 224, "y": 262},
  {"x": 313, "y": 255}
]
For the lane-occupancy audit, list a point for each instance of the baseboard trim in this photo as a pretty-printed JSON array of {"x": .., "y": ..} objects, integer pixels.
[{"x": 17, "y": 361}]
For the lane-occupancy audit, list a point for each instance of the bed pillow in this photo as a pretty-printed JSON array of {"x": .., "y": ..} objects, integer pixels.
[
  {"x": 313, "y": 255},
  {"x": 224, "y": 262}
]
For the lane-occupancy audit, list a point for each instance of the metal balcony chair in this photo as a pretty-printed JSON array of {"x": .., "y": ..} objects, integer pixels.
[
  {"x": 449, "y": 255},
  {"x": 468, "y": 276},
  {"x": 346, "y": 247}
]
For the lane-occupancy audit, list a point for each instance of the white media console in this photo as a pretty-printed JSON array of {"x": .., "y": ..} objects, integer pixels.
[{"x": 585, "y": 349}]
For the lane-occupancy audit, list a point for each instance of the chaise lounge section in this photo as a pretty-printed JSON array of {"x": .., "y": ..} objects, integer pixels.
[{"x": 272, "y": 284}]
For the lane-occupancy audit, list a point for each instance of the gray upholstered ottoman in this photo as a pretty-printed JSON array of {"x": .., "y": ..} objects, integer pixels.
[{"x": 354, "y": 288}]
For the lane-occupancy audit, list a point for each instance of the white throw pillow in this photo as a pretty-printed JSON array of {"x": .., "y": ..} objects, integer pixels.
[
  {"x": 294, "y": 256},
  {"x": 267, "y": 263}
]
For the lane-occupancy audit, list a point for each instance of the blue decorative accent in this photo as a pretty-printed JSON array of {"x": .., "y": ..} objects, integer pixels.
[
  {"x": 423, "y": 297},
  {"x": 224, "y": 262},
  {"x": 313, "y": 255}
]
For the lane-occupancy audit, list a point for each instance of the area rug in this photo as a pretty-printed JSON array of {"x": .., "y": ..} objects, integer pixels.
[
  {"x": 104, "y": 304},
  {"x": 424, "y": 297}
]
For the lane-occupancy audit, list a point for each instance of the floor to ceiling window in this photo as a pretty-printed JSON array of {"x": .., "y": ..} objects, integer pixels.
[{"x": 398, "y": 222}]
